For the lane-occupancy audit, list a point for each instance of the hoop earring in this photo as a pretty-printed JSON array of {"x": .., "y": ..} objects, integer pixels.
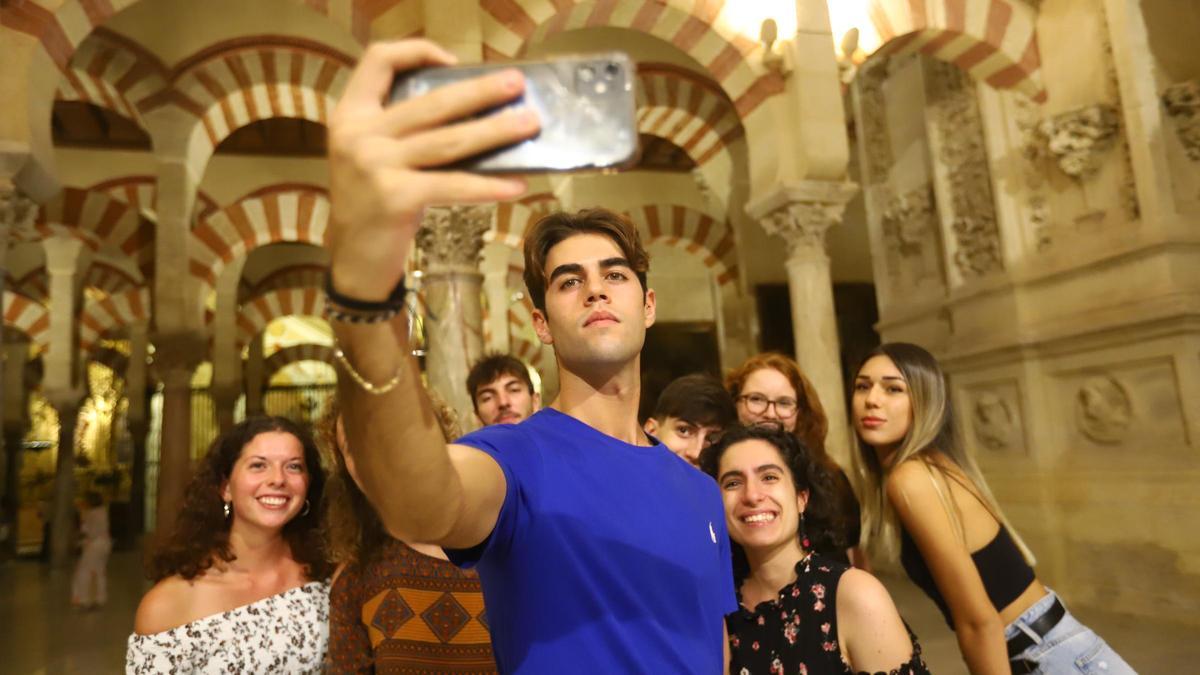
[
  {"x": 227, "y": 508},
  {"x": 804, "y": 542},
  {"x": 307, "y": 508}
]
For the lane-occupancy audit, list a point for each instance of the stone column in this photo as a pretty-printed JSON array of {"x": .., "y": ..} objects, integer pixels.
[
  {"x": 499, "y": 297},
  {"x": 138, "y": 420},
  {"x": 254, "y": 377},
  {"x": 62, "y": 385},
  {"x": 66, "y": 403},
  {"x": 800, "y": 213},
  {"x": 450, "y": 241},
  {"x": 226, "y": 355},
  {"x": 17, "y": 212},
  {"x": 175, "y": 361},
  {"x": 15, "y": 423}
]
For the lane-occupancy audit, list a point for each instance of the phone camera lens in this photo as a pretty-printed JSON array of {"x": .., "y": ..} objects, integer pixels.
[
  {"x": 586, "y": 74},
  {"x": 611, "y": 71}
]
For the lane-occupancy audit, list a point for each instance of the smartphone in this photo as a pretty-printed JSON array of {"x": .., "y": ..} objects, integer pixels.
[{"x": 586, "y": 105}]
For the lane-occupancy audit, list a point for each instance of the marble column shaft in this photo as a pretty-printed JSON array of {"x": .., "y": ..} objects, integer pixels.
[
  {"x": 15, "y": 424},
  {"x": 253, "y": 376},
  {"x": 137, "y": 418},
  {"x": 802, "y": 220},
  {"x": 451, "y": 241},
  {"x": 175, "y": 361}
]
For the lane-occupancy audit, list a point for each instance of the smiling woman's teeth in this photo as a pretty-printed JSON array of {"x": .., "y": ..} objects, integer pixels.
[
  {"x": 759, "y": 518},
  {"x": 273, "y": 501}
]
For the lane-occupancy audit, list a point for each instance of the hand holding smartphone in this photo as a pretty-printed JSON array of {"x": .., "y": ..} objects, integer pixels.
[{"x": 585, "y": 104}]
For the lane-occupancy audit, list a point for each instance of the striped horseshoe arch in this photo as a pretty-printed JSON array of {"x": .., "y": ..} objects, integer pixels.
[
  {"x": 995, "y": 41},
  {"x": 295, "y": 354},
  {"x": 698, "y": 29},
  {"x": 254, "y": 315},
  {"x": 101, "y": 222},
  {"x": 101, "y": 316},
  {"x": 29, "y": 317},
  {"x": 693, "y": 231},
  {"x": 293, "y": 215},
  {"x": 113, "y": 72}
]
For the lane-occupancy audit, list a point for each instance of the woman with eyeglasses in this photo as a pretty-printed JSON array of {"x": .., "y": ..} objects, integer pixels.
[{"x": 770, "y": 389}]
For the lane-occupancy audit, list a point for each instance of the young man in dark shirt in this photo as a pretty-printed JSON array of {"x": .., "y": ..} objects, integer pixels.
[{"x": 598, "y": 550}]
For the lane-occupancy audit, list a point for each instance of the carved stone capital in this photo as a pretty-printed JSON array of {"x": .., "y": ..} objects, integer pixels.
[
  {"x": 802, "y": 212},
  {"x": 176, "y": 356},
  {"x": 1182, "y": 102},
  {"x": 1076, "y": 140},
  {"x": 17, "y": 213},
  {"x": 452, "y": 236}
]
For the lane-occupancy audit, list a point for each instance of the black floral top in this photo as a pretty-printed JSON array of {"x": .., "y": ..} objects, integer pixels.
[{"x": 797, "y": 632}]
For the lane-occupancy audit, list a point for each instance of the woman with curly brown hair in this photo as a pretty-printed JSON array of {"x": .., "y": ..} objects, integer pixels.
[
  {"x": 377, "y": 573},
  {"x": 770, "y": 389},
  {"x": 240, "y": 581}
]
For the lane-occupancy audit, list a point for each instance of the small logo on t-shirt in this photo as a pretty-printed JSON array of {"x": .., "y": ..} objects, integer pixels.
[{"x": 711, "y": 532}]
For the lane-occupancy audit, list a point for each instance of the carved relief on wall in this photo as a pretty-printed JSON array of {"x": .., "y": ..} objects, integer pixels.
[
  {"x": 872, "y": 123},
  {"x": 1077, "y": 140},
  {"x": 910, "y": 232},
  {"x": 1103, "y": 409},
  {"x": 994, "y": 416},
  {"x": 961, "y": 151},
  {"x": 1182, "y": 103}
]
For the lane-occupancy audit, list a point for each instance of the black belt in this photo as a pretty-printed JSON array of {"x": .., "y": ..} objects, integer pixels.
[{"x": 1021, "y": 641}]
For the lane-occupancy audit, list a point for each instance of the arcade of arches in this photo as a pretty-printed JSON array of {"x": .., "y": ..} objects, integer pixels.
[{"x": 1014, "y": 184}]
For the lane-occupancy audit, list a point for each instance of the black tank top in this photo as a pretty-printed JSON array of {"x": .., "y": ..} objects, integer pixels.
[{"x": 1001, "y": 566}]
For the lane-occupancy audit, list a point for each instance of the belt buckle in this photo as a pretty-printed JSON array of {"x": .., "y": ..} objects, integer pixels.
[{"x": 1022, "y": 666}]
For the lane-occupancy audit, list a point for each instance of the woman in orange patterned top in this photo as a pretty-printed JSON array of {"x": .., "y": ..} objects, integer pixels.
[{"x": 394, "y": 606}]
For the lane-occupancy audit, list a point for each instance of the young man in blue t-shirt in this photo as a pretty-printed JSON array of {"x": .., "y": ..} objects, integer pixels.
[{"x": 599, "y": 550}]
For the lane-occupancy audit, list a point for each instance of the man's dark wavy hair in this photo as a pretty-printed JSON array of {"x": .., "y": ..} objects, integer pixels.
[
  {"x": 819, "y": 522},
  {"x": 200, "y": 538}
]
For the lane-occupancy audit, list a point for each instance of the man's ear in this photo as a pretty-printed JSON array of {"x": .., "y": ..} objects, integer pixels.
[
  {"x": 541, "y": 326},
  {"x": 651, "y": 426},
  {"x": 651, "y": 307},
  {"x": 537, "y": 401}
]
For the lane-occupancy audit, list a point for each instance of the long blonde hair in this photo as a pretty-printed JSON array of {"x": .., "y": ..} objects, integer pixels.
[{"x": 932, "y": 430}]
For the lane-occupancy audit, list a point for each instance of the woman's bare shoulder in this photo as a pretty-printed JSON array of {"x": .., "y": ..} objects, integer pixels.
[{"x": 164, "y": 606}]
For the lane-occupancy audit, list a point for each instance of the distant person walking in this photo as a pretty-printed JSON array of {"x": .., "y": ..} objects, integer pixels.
[{"x": 89, "y": 588}]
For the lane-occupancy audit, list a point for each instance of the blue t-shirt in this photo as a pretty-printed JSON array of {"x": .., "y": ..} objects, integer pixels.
[{"x": 606, "y": 557}]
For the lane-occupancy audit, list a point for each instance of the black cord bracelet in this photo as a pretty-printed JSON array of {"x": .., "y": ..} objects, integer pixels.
[{"x": 394, "y": 302}]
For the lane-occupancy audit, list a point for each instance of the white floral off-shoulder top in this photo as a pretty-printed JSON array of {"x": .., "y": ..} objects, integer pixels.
[{"x": 283, "y": 633}]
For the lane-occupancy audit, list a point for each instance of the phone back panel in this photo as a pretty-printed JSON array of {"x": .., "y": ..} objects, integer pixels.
[{"x": 585, "y": 103}]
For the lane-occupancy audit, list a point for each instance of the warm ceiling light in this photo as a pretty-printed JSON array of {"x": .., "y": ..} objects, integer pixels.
[
  {"x": 845, "y": 15},
  {"x": 747, "y": 16}
]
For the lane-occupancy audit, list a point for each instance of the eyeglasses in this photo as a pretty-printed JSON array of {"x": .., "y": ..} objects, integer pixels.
[{"x": 757, "y": 404}]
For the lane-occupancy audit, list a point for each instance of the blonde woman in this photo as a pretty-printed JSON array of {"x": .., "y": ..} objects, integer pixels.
[{"x": 954, "y": 540}]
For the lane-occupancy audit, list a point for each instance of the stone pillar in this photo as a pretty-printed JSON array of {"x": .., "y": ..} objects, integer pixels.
[
  {"x": 800, "y": 213},
  {"x": 499, "y": 296},
  {"x": 62, "y": 385},
  {"x": 66, "y": 403},
  {"x": 254, "y": 378},
  {"x": 450, "y": 241},
  {"x": 15, "y": 423},
  {"x": 224, "y": 401},
  {"x": 175, "y": 361},
  {"x": 226, "y": 354},
  {"x": 17, "y": 212},
  {"x": 138, "y": 420}
]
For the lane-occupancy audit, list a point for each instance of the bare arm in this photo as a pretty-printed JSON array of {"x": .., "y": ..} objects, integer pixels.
[
  {"x": 873, "y": 637},
  {"x": 977, "y": 624},
  {"x": 379, "y": 185}
]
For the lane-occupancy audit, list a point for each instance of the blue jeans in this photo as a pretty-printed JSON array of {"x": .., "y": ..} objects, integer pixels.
[{"x": 1069, "y": 647}]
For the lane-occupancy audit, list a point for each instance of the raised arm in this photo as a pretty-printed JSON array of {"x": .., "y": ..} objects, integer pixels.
[
  {"x": 977, "y": 624},
  {"x": 379, "y": 160}
]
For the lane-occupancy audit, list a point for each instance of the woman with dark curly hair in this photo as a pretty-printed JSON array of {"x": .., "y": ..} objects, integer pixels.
[
  {"x": 770, "y": 388},
  {"x": 800, "y": 611},
  {"x": 240, "y": 581},
  {"x": 373, "y": 567}
]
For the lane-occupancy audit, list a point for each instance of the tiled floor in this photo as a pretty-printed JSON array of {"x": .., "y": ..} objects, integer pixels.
[{"x": 40, "y": 633}]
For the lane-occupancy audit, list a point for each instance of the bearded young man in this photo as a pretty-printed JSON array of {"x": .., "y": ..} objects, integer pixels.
[{"x": 599, "y": 551}]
